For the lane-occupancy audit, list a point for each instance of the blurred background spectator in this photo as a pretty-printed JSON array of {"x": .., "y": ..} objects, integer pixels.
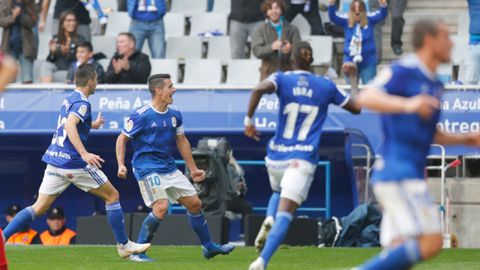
[
  {"x": 147, "y": 23},
  {"x": 128, "y": 65},
  {"x": 57, "y": 233},
  {"x": 84, "y": 55},
  {"x": 122, "y": 5},
  {"x": 272, "y": 40},
  {"x": 27, "y": 236},
  {"x": 18, "y": 18},
  {"x": 360, "y": 59},
  {"x": 472, "y": 71},
  {"x": 245, "y": 17},
  {"x": 62, "y": 48},
  {"x": 61, "y": 6},
  {"x": 309, "y": 10},
  {"x": 397, "y": 8}
]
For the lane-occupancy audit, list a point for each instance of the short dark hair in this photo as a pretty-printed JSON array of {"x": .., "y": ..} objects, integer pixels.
[
  {"x": 157, "y": 81},
  {"x": 87, "y": 45},
  {"x": 267, "y": 4},
  {"x": 83, "y": 74},
  {"x": 422, "y": 29},
  {"x": 129, "y": 35},
  {"x": 302, "y": 55}
]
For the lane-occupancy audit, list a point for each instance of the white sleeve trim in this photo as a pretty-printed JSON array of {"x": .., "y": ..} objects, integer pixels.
[
  {"x": 180, "y": 130},
  {"x": 78, "y": 116},
  {"x": 126, "y": 134},
  {"x": 274, "y": 83},
  {"x": 347, "y": 98}
]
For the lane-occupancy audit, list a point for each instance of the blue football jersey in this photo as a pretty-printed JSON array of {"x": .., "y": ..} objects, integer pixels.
[
  {"x": 61, "y": 152},
  {"x": 303, "y": 104},
  {"x": 153, "y": 136},
  {"x": 407, "y": 136}
]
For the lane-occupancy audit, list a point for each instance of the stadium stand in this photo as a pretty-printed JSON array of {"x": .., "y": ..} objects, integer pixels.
[
  {"x": 105, "y": 45},
  {"x": 169, "y": 66},
  {"x": 243, "y": 71},
  {"x": 203, "y": 71},
  {"x": 117, "y": 22},
  {"x": 184, "y": 47},
  {"x": 208, "y": 22},
  {"x": 222, "y": 6},
  {"x": 219, "y": 48},
  {"x": 189, "y": 7},
  {"x": 174, "y": 24}
]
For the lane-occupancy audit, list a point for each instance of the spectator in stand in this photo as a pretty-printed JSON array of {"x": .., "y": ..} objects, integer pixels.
[
  {"x": 245, "y": 17},
  {"x": 128, "y": 65},
  {"x": 360, "y": 59},
  {"x": 272, "y": 40},
  {"x": 472, "y": 75},
  {"x": 147, "y": 23},
  {"x": 122, "y": 5},
  {"x": 309, "y": 10},
  {"x": 18, "y": 18},
  {"x": 57, "y": 234},
  {"x": 62, "y": 48},
  {"x": 61, "y": 6},
  {"x": 27, "y": 236},
  {"x": 397, "y": 8},
  {"x": 84, "y": 55},
  {"x": 8, "y": 71}
]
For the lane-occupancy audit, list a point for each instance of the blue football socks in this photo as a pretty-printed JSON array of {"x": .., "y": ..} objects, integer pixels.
[
  {"x": 403, "y": 256},
  {"x": 115, "y": 218},
  {"x": 149, "y": 227},
  {"x": 273, "y": 204},
  {"x": 20, "y": 221},
  {"x": 199, "y": 225},
  {"x": 276, "y": 236}
]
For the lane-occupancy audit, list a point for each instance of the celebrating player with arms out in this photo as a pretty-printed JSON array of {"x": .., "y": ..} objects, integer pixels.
[
  {"x": 154, "y": 130},
  {"x": 292, "y": 154},
  {"x": 408, "y": 94},
  {"x": 68, "y": 162}
]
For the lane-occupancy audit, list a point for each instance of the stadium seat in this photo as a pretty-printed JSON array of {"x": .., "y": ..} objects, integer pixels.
[
  {"x": 184, "y": 47},
  {"x": 222, "y": 6},
  {"x": 322, "y": 49},
  {"x": 463, "y": 24},
  {"x": 109, "y": 5},
  {"x": 60, "y": 76},
  {"x": 168, "y": 66},
  {"x": 117, "y": 22},
  {"x": 302, "y": 24},
  {"x": 243, "y": 71},
  {"x": 43, "y": 48},
  {"x": 104, "y": 63},
  {"x": 203, "y": 71},
  {"x": 104, "y": 44},
  {"x": 460, "y": 49},
  {"x": 219, "y": 48},
  {"x": 189, "y": 7},
  {"x": 208, "y": 22},
  {"x": 174, "y": 24},
  {"x": 444, "y": 73}
]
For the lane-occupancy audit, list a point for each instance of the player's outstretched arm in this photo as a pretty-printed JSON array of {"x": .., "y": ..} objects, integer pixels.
[
  {"x": 380, "y": 101},
  {"x": 185, "y": 150},
  {"x": 72, "y": 133},
  {"x": 8, "y": 72},
  {"x": 120, "y": 149},
  {"x": 444, "y": 138},
  {"x": 264, "y": 87}
]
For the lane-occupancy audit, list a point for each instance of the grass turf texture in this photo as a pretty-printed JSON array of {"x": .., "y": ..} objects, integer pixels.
[{"x": 186, "y": 258}]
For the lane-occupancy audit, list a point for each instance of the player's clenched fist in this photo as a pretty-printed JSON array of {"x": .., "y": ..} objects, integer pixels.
[
  {"x": 198, "y": 175},
  {"x": 122, "y": 172}
]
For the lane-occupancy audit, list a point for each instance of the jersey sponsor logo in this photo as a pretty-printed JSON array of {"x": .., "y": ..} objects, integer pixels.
[
  {"x": 83, "y": 110},
  {"x": 174, "y": 121},
  {"x": 154, "y": 125},
  {"x": 129, "y": 125}
]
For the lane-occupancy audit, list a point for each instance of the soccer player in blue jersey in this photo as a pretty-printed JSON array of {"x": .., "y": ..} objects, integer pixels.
[
  {"x": 154, "y": 130},
  {"x": 68, "y": 162},
  {"x": 292, "y": 154},
  {"x": 408, "y": 95}
]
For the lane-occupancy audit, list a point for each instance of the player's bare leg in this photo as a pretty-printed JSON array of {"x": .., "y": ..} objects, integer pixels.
[
  {"x": 199, "y": 225},
  {"x": 286, "y": 209},
  {"x": 149, "y": 227},
  {"x": 111, "y": 197}
]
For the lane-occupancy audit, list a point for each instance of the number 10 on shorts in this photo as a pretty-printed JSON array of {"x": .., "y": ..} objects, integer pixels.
[{"x": 153, "y": 180}]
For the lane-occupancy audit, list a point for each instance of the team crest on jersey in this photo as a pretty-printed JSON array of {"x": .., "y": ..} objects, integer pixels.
[
  {"x": 69, "y": 176},
  {"x": 129, "y": 125},
  {"x": 82, "y": 110},
  {"x": 174, "y": 121}
]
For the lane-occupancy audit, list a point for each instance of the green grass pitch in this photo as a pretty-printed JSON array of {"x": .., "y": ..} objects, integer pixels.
[{"x": 186, "y": 258}]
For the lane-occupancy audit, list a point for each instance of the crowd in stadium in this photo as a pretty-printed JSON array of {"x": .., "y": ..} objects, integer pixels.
[{"x": 49, "y": 49}]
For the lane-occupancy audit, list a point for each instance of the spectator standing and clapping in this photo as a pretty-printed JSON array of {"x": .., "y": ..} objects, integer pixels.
[
  {"x": 18, "y": 18},
  {"x": 309, "y": 10},
  {"x": 245, "y": 17},
  {"x": 84, "y": 55},
  {"x": 472, "y": 75},
  {"x": 272, "y": 41},
  {"x": 62, "y": 47},
  {"x": 360, "y": 59},
  {"x": 128, "y": 65},
  {"x": 147, "y": 23},
  {"x": 57, "y": 234}
]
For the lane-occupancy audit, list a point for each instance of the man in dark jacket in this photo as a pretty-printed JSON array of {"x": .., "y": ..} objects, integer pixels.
[
  {"x": 128, "y": 65},
  {"x": 273, "y": 40},
  {"x": 245, "y": 17}
]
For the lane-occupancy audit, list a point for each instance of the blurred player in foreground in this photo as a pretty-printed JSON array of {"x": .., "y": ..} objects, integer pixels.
[
  {"x": 292, "y": 154},
  {"x": 408, "y": 94},
  {"x": 8, "y": 70},
  {"x": 154, "y": 130},
  {"x": 68, "y": 162}
]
